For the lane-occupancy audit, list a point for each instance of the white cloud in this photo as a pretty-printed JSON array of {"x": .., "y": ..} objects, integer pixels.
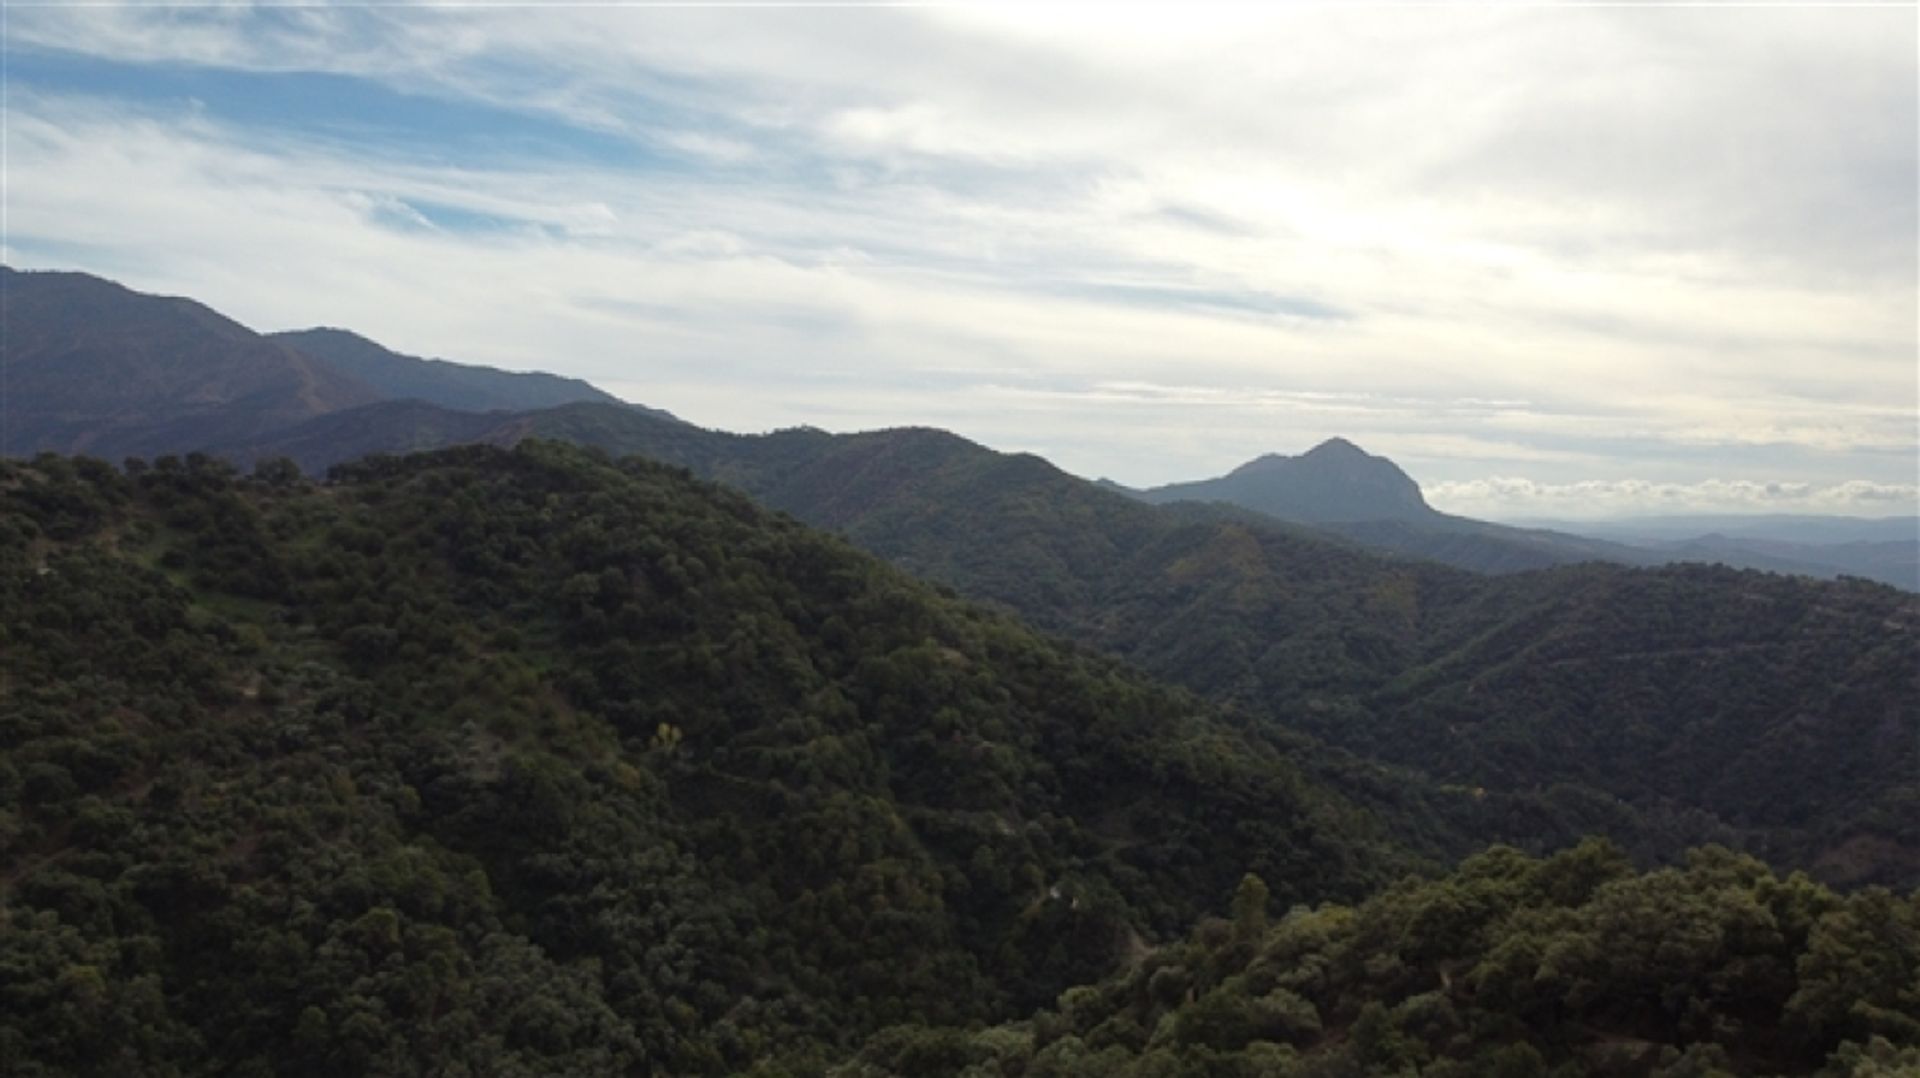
[{"x": 716, "y": 148}]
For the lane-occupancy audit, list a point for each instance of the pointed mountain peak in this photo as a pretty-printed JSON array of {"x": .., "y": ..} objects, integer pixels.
[
  {"x": 325, "y": 333},
  {"x": 1334, "y": 482},
  {"x": 1333, "y": 451},
  {"x": 1335, "y": 448}
]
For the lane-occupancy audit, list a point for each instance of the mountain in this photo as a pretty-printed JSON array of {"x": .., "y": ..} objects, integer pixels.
[
  {"x": 81, "y": 384},
  {"x": 1342, "y": 489},
  {"x": 1334, "y": 482},
  {"x": 436, "y": 381},
  {"x": 92, "y": 367},
  {"x": 1773, "y": 705},
  {"x": 407, "y": 426},
  {"x": 529, "y": 762}
]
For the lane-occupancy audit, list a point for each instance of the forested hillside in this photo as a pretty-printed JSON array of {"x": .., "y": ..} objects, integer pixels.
[
  {"x": 1787, "y": 707},
  {"x": 1775, "y": 712},
  {"x": 521, "y": 762},
  {"x": 525, "y": 762}
]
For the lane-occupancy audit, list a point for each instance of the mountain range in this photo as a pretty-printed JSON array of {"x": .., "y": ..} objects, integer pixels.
[
  {"x": 567, "y": 737},
  {"x": 83, "y": 377},
  {"x": 93, "y": 367},
  {"x": 97, "y": 368}
]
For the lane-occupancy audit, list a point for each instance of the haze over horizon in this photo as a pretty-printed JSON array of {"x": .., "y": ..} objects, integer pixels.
[{"x": 1555, "y": 263}]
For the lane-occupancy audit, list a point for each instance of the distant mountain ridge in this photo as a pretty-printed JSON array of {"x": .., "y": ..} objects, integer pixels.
[
  {"x": 94, "y": 367},
  {"x": 1886, "y": 549},
  {"x": 97, "y": 368}
]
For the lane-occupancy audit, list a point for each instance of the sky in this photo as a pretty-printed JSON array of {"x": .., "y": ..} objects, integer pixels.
[{"x": 1555, "y": 261}]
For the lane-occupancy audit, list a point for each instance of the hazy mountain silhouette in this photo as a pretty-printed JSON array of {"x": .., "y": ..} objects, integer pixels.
[
  {"x": 92, "y": 367},
  {"x": 1334, "y": 482},
  {"x": 1886, "y": 549},
  {"x": 1343, "y": 489}
]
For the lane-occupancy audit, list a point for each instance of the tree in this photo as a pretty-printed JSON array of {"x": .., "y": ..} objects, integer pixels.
[
  {"x": 279, "y": 472},
  {"x": 1250, "y": 908}
]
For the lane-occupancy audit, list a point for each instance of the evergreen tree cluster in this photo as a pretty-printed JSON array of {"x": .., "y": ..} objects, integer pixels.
[{"x": 1573, "y": 965}]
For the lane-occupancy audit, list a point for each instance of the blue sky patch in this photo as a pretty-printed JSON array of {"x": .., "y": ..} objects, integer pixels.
[{"x": 334, "y": 108}]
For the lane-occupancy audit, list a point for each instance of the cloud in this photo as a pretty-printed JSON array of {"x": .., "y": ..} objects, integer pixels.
[{"x": 716, "y": 148}]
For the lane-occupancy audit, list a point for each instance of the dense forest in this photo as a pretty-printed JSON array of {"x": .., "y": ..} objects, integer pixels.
[
  {"x": 533, "y": 762},
  {"x": 1665, "y": 707},
  {"x": 516, "y": 762}
]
